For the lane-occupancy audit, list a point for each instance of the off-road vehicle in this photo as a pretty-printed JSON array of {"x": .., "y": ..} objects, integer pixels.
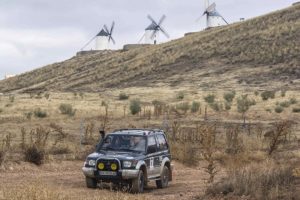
[{"x": 132, "y": 158}]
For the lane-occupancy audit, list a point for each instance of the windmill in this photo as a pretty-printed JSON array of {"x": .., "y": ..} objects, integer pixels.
[
  {"x": 103, "y": 38},
  {"x": 213, "y": 17},
  {"x": 152, "y": 31}
]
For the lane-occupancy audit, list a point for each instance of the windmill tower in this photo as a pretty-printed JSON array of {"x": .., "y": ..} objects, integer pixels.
[
  {"x": 153, "y": 30},
  {"x": 103, "y": 38},
  {"x": 213, "y": 17}
]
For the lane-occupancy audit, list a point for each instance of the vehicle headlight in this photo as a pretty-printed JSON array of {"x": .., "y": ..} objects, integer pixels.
[
  {"x": 127, "y": 164},
  {"x": 92, "y": 162},
  {"x": 101, "y": 166},
  {"x": 114, "y": 166}
]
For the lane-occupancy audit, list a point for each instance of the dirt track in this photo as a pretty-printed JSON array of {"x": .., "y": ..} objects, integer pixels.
[{"x": 67, "y": 179}]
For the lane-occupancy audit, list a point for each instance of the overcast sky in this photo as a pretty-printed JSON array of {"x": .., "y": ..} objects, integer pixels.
[{"x": 34, "y": 33}]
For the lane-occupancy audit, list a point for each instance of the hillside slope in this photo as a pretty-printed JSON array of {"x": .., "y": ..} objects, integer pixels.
[{"x": 261, "y": 52}]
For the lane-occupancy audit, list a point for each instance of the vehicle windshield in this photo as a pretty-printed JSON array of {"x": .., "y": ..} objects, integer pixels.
[{"x": 129, "y": 143}]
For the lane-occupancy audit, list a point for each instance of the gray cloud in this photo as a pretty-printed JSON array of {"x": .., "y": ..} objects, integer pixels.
[{"x": 34, "y": 33}]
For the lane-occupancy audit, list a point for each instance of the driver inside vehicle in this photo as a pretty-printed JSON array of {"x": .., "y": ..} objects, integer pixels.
[{"x": 137, "y": 143}]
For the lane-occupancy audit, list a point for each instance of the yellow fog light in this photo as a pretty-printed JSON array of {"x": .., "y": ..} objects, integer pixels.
[
  {"x": 113, "y": 167},
  {"x": 101, "y": 166}
]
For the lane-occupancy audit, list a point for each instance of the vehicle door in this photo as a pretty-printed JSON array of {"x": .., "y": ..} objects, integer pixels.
[
  {"x": 162, "y": 151},
  {"x": 152, "y": 156}
]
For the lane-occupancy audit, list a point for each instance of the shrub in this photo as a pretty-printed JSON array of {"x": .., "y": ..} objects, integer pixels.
[
  {"x": 180, "y": 95},
  {"x": 267, "y": 95},
  {"x": 279, "y": 109},
  {"x": 283, "y": 93},
  {"x": 34, "y": 155},
  {"x": 2, "y": 156},
  {"x": 39, "y": 113},
  {"x": 244, "y": 103},
  {"x": 210, "y": 98},
  {"x": 103, "y": 103},
  {"x": 216, "y": 107},
  {"x": 227, "y": 106},
  {"x": 195, "y": 106},
  {"x": 229, "y": 96},
  {"x": 47, "y": 95},
  {"x": 11, "y": 98},
  {"x": 296, "y": 110},
  {"x": 185, "y": 106},
  {"x": 135, "y": 106},
  {"x": 293, "y": 101},
  {"x": 1, "y": 110},
  {"x": 266, "y": 181},
  {"x": 123, "y": 96},
  {"x": 28, "y": 115},
  {"x": 285, "y": 104},
  {"x": 67, "y": 109},
  {"x": 256, "y": 93}
]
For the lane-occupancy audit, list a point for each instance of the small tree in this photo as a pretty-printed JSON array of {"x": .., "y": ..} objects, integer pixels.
[
  {"x": 135, "y": 106},
  {"x": 195, "y": 106},
  {"x": 123, "y": 96},
  {"x": 244, "y": 104},
  {"x": 210, "y": 98},
  {"x": 229, "y": 96},
  {"x": 67, "y": 109}
]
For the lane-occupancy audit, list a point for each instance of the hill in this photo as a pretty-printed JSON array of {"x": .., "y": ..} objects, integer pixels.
[{"x": 261, "y": 53}]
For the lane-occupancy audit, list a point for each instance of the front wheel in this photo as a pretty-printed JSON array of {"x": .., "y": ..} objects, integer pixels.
[
  {"x": 138, "y": 183},
  {"x": 163, "y": 182},
  {"x": 91, "y": 182}
]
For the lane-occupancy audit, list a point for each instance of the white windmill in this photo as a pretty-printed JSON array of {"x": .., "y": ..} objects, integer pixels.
[
  {"x": 103, "y": 38},
  {"x": 152, "y": 31},
  {"x": 213, "y": 17}
]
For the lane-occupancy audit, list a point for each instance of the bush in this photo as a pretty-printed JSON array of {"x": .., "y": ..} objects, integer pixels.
[
  {"x": 227, "y": 106},
  {"x": 185, "y": 106},
  {"x": 210, "y": 98},
  {"x": 264, "y": 181},
  {"x": 195, "y": 106},
  {"x": 285, "y": 104},
  {"x": 39, "y": 113},
  {"x": 67, "y": 109},
  {"x": 296, "y": 110},
  {"x": 256, "y": 93},
  {"x": 279, "y": 109},
  {"x": 293, "y": 101},
  {"x": 28, "y": 115},
  {"x": 180, "y": 95},
  {"x": 2, "y": 156},
  {"x": 244, "y": 103},
  {"x": 1, "y": 110},
  {"x": 47, "y": 95},
  {"x": 135, "y": 106},
  {"x": 283, "y": 93},
  {"x": 229, "y": 96},
  {"x": 267, "y": 95},
  {"x": 34, "y": 155},
  {"x": 216, "y": 107},
  {"x": 11, "y": 98},
  {"x": 123, "y": 96}
]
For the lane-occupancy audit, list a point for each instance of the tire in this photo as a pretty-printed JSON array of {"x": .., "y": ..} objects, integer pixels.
[
  {"x": 91, "y": 182},
  {"x": 164, "y": 178},
  {"x": 138, "y": 183}
]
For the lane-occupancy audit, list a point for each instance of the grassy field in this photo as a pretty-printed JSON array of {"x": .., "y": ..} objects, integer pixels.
[{"x": 238, "y": 149}]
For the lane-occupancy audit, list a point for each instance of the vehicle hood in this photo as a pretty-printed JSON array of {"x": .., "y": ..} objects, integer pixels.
[{"x": 115, "y": 154}]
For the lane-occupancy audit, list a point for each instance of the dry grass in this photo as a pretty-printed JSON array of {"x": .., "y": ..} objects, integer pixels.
[
  {"x": 41, "y": 191},
  {"x": 264, "y": 181}
]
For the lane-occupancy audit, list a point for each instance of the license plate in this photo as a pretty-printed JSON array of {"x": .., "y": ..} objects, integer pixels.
[{"x": 105, "y": 173}]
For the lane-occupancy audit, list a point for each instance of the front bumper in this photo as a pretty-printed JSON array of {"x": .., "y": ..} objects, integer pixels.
[{"x": 121, "y": 174}]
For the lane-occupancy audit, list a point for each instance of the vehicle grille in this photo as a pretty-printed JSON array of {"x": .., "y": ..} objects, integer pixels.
[{"x": 107, "y": 164}]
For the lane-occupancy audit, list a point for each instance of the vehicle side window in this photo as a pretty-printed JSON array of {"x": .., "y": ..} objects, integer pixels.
[
  {"x": 162, "y": 143},
  {"x": 152, "y": 147}
]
